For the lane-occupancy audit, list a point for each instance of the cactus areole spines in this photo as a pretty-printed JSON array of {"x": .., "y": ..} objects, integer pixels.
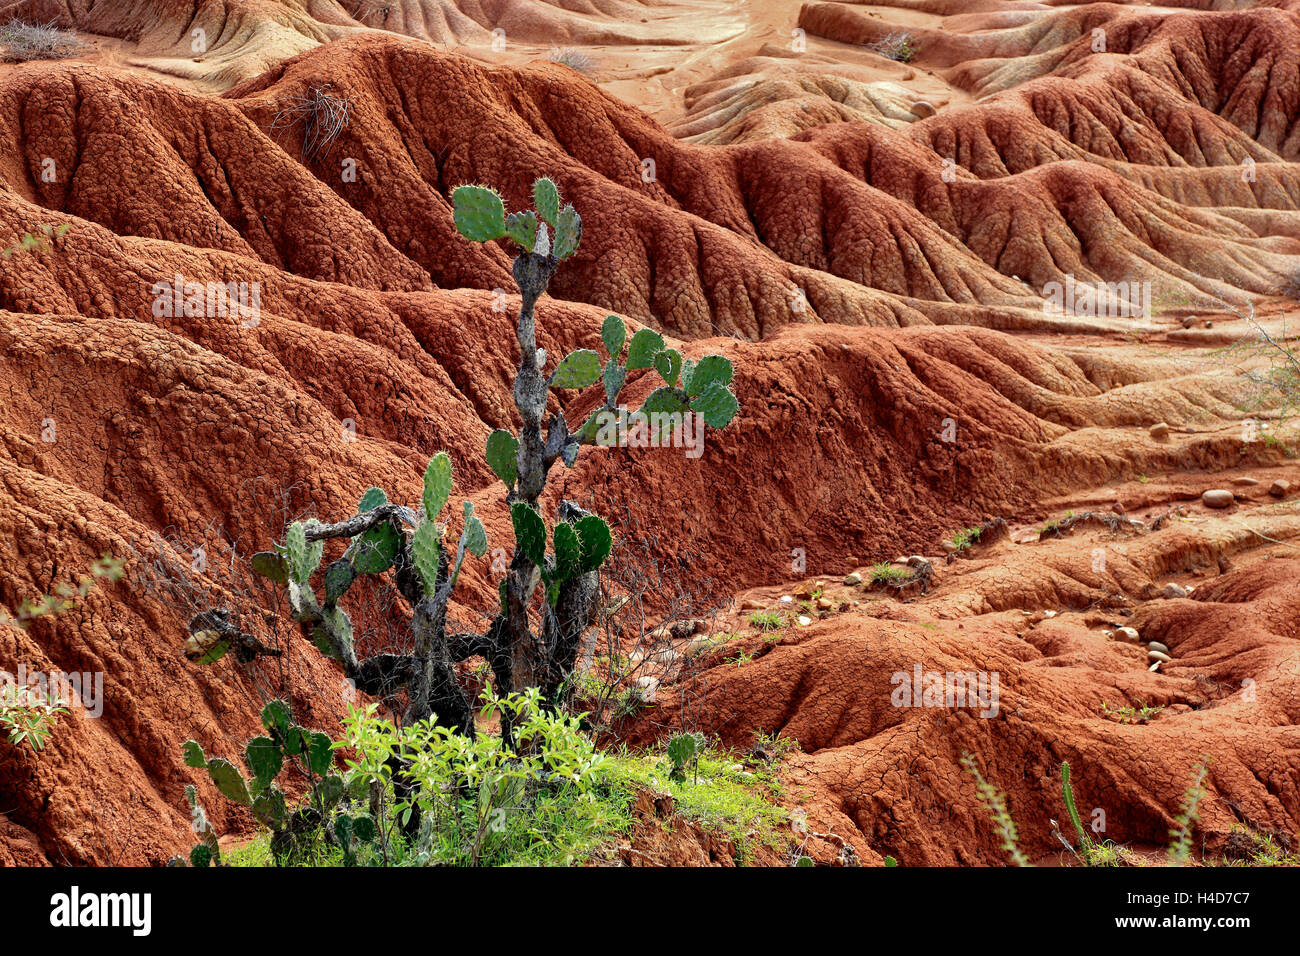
[{"x": 561, "y": 588}]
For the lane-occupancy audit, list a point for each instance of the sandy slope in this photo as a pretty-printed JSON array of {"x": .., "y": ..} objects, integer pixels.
[{"x": 875, "y": 275}]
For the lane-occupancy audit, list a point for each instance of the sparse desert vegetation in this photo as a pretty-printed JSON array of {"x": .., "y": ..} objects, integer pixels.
[{"x": 468, "y": 435}]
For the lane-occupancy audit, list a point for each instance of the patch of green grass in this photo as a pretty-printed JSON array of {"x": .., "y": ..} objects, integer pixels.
[
  {"x": 886, "y": 573},
  {"x": 1266, "y": 850},
  {"x": 1053, "y": 524},
  {"x": 1127, "y": 714},
  {"x": 737, "y": 802},
  {"x": 769, "y": 620},
  {"x": 741, "y": 659},
  {"x": 964, "y": 538}
]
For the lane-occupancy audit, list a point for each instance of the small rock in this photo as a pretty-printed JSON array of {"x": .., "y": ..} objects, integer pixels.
[
  {"x": 1049, "y": 614},
  {"x": 1209, "y": 324},
  {"x": 1280, "y": 488},
  {"x": 948, "y": 545},
  {"x": 825, "y": 604},
  {"x": 699, "y": 644},
  {"x": 1217, "y": 498},
  {"x": 1160, "y": 431},
  {"x": 1245, "y": 482},
  {"x": 749, "y": 604},
  {"x": 899, "y": 560},
  {"x": 1158, "y": 647},
  {"x": 923, "y": 109},
  {"x": 853, "y": 579},
  {"x": 804, "y": 620},
  {"x": 1160, "y": 656},
  {"x": 916, "y": 561},
  {"x": 1117, "y": 508},
  {"x": 1128, "y": 635},
  {"x": 1173, "y": 590},
  {"x": 786, "y": 599},
  {"x": 1187, "y": 321}
]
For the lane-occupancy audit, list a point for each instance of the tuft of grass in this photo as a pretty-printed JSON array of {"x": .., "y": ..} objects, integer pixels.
[
  {"x": 37, "y": 41},
  {"x": 886, "y": 573},
  {"x": 574, "y": 59},
  {"x": 767, "y": 620},
  {"x": 900, "y": 47},
  {"x": 964, "y": 538},
  {"x": 1142, "y": 714},
  {"x": 324, "y": 117}
]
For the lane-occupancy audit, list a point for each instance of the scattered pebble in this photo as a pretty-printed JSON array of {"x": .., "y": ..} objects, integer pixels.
[
  {"x": 1173, "y": 590},
  {"x": 1157, "y": 646},
  {"x": 1280, "y": 488},
  {"x": 923, "y": 109},
  {"x": 1160, "y": 656},
  {"x": 1217, "y": 498},
  {"x": 853, "y": 579},
  {"x": 1128, "y": 635},
  {"x": 1245, "y": 482},
  {"x": 804, "y": 620},
  {"x": 1160, "y": 431},
  {"x": 786, "y": 599}
]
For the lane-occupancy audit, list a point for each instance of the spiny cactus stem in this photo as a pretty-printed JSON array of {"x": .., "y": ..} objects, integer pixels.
[{"x": 532, "y": 273}]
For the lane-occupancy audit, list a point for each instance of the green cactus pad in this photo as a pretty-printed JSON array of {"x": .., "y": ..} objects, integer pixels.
[
  {"x": 596, "y": 540},
  {"x": 568, "y": 551},
  {"x": 502, "y": 456},
  {"x": 374, "y": 551},
  {"x": 546, "y": 199},
  {"x": 522, "y": 228},
  {"x": 530, "y": 532},
  {"x": 426, "y": 549},
  {"x": 270, "y": 809},
  {"x": 613, "y": 332},
  {"x": 668, "y": 364},
  {"x": 269, "y": 565},
  {"x": 372, "y": 499},
  {"x": 331, "y": 790},
  {"x": 578, "y": 370},
  {"x": 437, "y": 484},
  {"x": 716, "y": 404},
  {"x": 711, "y": 368},
  {"x": 663, "y": 399},
  {"x": 475, "y": 535},
  {"x": 615, "y": 376},
  {"x": 568, "y": 233},
  {"x": 264, "y": 759},
  {"x": 646, "y": 344},
  {"x": 193, "y": 753},
  {"x": 275, "y": 716},
  {"x": 363, "y": 827},
  {"x": 320, "y": 753},
  {"x": 229, "y": 780},
  {"x": 338, "y": 578},
  {"x": 480, "y": 215}
]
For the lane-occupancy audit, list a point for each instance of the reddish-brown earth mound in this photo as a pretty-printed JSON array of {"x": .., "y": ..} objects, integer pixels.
[{"x": 378, "y": 344}]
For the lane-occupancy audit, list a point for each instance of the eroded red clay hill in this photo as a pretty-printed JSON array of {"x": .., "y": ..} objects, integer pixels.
[{"x": 377, "y": 323}]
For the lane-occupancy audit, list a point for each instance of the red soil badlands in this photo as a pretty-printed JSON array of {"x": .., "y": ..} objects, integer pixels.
[{"x": 877, "y": 285}]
